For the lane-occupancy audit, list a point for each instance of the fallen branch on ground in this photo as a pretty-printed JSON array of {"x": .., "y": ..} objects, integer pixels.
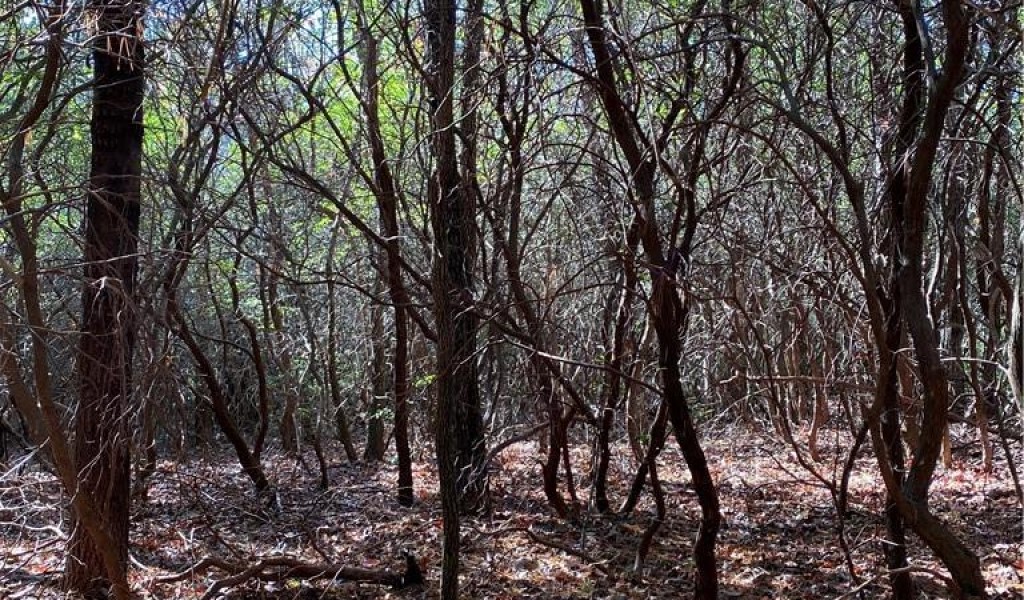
[
  {"x": 520, "y": 437},
  {"x": 553, "y": 544},
  {"x": 950, "y": 584},
  {"x": 279, "y": 568}
]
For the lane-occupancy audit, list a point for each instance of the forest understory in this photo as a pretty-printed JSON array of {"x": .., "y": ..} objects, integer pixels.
[
  {"x": 779, "y": 539},
  {"x": 230, "y": 229}
]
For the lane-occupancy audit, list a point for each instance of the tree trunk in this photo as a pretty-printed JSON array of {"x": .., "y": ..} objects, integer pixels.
[
  {"x": 386, "y": 192},
  {"x": 218, "y": 399},
  {"x": 921, "y": 125},
  {"x": 342, "y": 430},
  {"x": 219, "y": 404},
  {"x": 994, "y": 287},
  {"x": 895, "y": 547},
  {"x": 820, "y": 414},
  {"x": 108, "y": 320},
  {"x": 667, "y": 311},
  {"x": 636, "y": 402},
  {"x": 376, "y": 443},
  {"x": 667, "y": 325},
  {"x": 460, "y": 440},
  {"x": 255, "y": 349},
  {"x": 622, "y": 347},
  {"x": 1016, "y": 349}
]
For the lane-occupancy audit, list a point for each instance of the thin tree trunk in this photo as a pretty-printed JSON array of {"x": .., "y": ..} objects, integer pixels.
[
  {"x": 620, "y": 350},
  {"x": 820, "y": 414},
  {"x": 386, "y": 190},
  {"x": 219, "y": 403},
  {"x": 992, "y": 212},
  {"x": 342, "y": 430},
  {"x": 643, "y": 548},
  {"x": 555, "y": 440},
  {"x": 981, "y": 416},
  {"x": 218, "y": 400},
  {"x": 1015, "y": 353},
  {"x": 667, "y": 311},
  {"x": 636, "y": 402},
  {"x": 654, "y": 447},
  {"x": 256, "y": 353},
  {"x": 376, "y": 443}
]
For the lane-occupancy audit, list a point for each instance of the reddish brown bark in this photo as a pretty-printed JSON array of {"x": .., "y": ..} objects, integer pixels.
[
  {"x": 108, "y": 309},
  {"x": 667, "y": 311},
  {"x": 386, "y": 191}
]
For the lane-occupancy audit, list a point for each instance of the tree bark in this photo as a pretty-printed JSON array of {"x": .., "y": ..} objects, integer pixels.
[
  {"x": 108, "y": 308},
  {"x": 895, "y": 547},
  {"x": 386, "y": 191},
  {"x": 460, "y": 438},
  {"x": 909, "y": 196},
  {"x": 667, "y": 311}
]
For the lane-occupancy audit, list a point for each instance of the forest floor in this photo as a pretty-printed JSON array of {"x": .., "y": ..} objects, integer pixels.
[{"x": 779, "y": 538}]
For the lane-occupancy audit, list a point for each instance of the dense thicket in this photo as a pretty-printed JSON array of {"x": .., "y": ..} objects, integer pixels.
[{"x": 459, "y": 225}]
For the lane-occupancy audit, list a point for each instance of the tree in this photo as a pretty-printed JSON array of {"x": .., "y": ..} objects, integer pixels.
[
  {"x": 1016, "y": 346},
  {"x": 390, "y": 266},
  {"x": 669, "y": 262},
  {"x": 891, "y": 269},
  {"x": 104, "y": 362},
  {"x": 580, "y": 220},
  {"x": 460, "y": 442}
]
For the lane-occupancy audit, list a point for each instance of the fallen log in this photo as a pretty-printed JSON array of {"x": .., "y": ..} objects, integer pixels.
[{"x": 280, "y": 568}]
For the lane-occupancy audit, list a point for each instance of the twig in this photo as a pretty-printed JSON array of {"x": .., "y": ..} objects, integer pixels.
[
  {"x": 909, "y": 569},
  {"x": 520, "y": 437}
]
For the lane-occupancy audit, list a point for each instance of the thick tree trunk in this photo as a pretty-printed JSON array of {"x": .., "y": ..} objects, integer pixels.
[
  {"x": 668, "y": 324},
  {"x": 963, "y": 565},
  {"x": 108, "y": 320}
]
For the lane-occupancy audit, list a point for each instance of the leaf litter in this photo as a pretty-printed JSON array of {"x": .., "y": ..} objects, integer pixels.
[{"x": 779, "y": 536}]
